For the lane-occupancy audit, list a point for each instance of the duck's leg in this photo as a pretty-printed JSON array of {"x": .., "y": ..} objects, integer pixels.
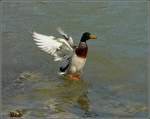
[{"x": 74, "y": 76}]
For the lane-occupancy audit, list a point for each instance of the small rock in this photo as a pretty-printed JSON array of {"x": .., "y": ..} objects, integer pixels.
[{"x": 17, "y": 113}]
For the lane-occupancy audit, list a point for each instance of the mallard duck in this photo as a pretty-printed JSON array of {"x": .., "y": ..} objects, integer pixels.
[{"x": 71, "y": 56}]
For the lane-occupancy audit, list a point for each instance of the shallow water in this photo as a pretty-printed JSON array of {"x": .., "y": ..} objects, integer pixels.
[{"x": 114, "y": 83}]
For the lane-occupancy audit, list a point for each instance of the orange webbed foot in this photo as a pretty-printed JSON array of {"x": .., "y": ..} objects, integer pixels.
[{"x": 74, "y": 77}]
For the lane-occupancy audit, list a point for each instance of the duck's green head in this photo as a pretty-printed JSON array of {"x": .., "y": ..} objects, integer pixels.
[{"x": 86, "y": 36}]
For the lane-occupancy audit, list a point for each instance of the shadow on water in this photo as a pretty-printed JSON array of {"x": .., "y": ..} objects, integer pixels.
[{"x": 57, "y": 97}]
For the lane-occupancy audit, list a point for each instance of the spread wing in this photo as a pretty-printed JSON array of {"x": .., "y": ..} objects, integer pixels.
[
  {"x": 67, "y": 37},
  {"x": 57, "y": 47}
]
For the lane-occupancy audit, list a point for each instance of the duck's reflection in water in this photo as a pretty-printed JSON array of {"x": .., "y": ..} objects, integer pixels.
[
  {"x": 83, "y": 101},
  {"x": 73, "y": 97},
  {"x": 57, "y": 96}
]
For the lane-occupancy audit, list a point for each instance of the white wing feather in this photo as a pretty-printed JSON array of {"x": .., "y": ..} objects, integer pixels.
[
  {"x": 56, "y": 47},
  {"x": 67, "y": 37}
]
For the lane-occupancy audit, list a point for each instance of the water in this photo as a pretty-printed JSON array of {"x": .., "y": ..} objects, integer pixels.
[{"x": 115, "y": 76}]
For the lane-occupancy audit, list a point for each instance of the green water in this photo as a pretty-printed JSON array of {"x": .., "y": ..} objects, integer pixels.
[{"x": 114, "y": 83}]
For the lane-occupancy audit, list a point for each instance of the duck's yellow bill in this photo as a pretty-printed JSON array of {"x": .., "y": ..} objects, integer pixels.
[{"x": 93, "y": 37}]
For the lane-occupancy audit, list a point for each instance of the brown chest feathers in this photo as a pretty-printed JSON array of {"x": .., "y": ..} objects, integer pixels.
[{"x": 82, "y": 50}]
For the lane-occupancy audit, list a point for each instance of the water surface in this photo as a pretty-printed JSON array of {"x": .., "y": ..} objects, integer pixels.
[{"x": 114, "y": 83}]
